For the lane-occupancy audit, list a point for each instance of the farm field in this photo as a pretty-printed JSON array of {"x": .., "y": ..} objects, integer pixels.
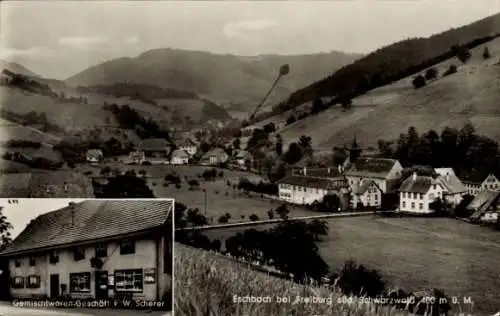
[
  {"x": 471, "y": 94},
  {"x": 221, "y": 198},
  {"x": 418, "y": 253}
]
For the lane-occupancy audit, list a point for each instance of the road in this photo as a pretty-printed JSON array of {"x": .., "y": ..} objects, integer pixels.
[
  {"x": 6, "y": 309},
  {"x": 273, "y": 221}
]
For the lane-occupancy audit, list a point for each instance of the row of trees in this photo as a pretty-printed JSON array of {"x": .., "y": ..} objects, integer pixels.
[
  {"x": 463, "y": 150},
  {"x": 129, "y": 118}
]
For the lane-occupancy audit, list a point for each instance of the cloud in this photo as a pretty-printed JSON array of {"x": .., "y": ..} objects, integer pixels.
[
  {"x": 37, "y": 51},
  {"x": 248, "y": 28},
  {"x": 82, "y": 42},
  {"x": 132, "y": 40}
]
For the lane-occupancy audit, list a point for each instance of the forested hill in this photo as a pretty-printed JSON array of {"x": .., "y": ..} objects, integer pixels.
[{"x": 394, "y": 62}]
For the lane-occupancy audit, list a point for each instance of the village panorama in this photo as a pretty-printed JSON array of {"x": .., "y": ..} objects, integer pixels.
[{"x": 324, "y": 183}]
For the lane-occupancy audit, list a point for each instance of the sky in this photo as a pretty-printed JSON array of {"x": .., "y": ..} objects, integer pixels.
[
  {"x": 58, "y": 39},
  {"x": 21, "y": 213}
]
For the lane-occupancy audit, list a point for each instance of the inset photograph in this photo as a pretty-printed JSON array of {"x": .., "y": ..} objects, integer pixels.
[{"x": 86, "y": 257}]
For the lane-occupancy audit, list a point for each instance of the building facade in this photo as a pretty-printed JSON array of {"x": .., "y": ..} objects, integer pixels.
[
  {"x": 417, "y": 193},
  {"x": 380, "y": 170},
  {"x": 454, "y": 188},
  {"x": 94, "y": 155},
  {"x": 367, "y": 194},
  {"x": 478, "y": 182},
  {"x": 96, "y": 254},
  {"x": 214, "y": 157},
  {"x": 307, "y": 190},
  {"x": 179, "y": 157}
]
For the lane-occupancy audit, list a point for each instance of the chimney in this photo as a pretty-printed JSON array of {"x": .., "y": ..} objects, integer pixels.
[
  {"x": 414, "y": 176},
  {"x": 447, "y": 177},
  {"x": 72, "y": 208},
  {"x": 339, "y": 168},
  {"x": 304, "y": 171}
]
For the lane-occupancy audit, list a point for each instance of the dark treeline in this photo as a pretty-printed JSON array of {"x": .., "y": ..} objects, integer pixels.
[
  {"x": 31, "y": 118},
  {"x": 28, "y": 84},
  {"x": 142, "y": 92},
  {"x": 261, "y": 187},
  {"x": 129, "y": 118},
  {"x": 394, "y": 62},
  {"x": 463, "y": 150},
  {"x": 74, "y": 151}
]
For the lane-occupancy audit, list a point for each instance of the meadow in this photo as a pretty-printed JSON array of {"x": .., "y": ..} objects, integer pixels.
[
  {"x": 206, "y": 283},
  {"x": 221, "y": 198},
  {"x": 471, "y": 94},
  {"x": 417, "y": 253}
]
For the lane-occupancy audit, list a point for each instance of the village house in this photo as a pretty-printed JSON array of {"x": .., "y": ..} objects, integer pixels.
[
  {"x": 189, "y": 146},
  {"x": 137, "y": 157},
  {"x": 243, "y": 159},
  {"x": 94, "y": 155},
  {"x": 95, "y": 249},
  {"x": 180, "y": 157},
  {"x": 155, "y": 149},
  {"x": 454, "y": 188},
  {"x": 418, "y": 192},
  {"x": 485, "y": 207},
  {"x": 214, "y": 157},
  {"x": 366, "y": 194},
  {"x": 384, "y": 172},
  {"x": 479, "y": 181},
  {"x": 304, "y": 189}
]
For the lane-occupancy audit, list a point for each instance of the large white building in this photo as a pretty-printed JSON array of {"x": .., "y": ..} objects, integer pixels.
[
  {"x": 418, "y": 192},
  {"x": 95, "y": 249},
  {"x": 384, "y": 172},
  {"x": 306, "y": 189},
  {"x": 366, "y": 194}
]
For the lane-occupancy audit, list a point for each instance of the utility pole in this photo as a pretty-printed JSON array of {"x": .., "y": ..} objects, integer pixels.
[{"x": 205, "y": 193}]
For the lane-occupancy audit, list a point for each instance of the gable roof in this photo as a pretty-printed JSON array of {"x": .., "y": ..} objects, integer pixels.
[
  {"x": 181, "y": 153},
  {"x": 312, "y": 182},
  {"x": 482, "y": 202},
  {"x": 243, "y": 154},
  {"x": 215, "y": 152},
  {"x": 93, "y": 152},
  {"x": 421, "y": 184},
  {"x": 363, "y": 186},
  {"x": 92, "y": 219},
  {"x": 450, "y": 181},
  {"x": 154, "y": 144},
  {"x": 371, "y": 167},
  {"x": 476, "y": 176}
]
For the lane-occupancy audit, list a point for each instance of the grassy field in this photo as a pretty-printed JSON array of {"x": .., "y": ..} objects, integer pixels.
[
  {"x": 221, "y": 198},
  {"x": 418, "y": 253},
  {"x": 384, "y": 113},
  {"x": 207, "y": 283}
]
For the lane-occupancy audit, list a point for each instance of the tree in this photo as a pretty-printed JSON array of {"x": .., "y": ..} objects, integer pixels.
[
  {"x": 486, "y": 53},
  {"x": 346, "y": 103},
  {"x": 318, "y": 228},
  {"x": 419, "y": 82},
  {"x": 193, "y": 184},
  {"x": 282, "y": 211},
  {"x": 123, "y": 186},
  {"x": 236, "y": 143},
  {"x": 431, "y": 73},
  {"x": 451, "y": 70},
  {"x": 294, "y": 154},
  {"x": 357, "y": 280},
  {"x": 254, "y": 217},
  {"x": 270, "y": 214},
  {"x": 279, "y": 145},
  {"x": 290, "y": 120},
  {"x": 5, "y": 228}
]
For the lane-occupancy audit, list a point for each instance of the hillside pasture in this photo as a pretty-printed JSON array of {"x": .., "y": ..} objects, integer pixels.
[
  {"x": 13, "y": 131},
  {"x": 417, "y": 253},
  {"x": 471, "y": 94}
]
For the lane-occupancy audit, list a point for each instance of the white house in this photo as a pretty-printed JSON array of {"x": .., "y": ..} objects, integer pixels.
[
  {"x": 189, "y": 146},
  {"x": 179, "y": 157},
  {"x": 94, "y": 155},
  {"x": 214, "y": 157},
  {"x": 367, "y": 193},
  {"x": 418, "y": 192},
  {"x": 384, "y": 172},
  {"x": 454, "y": 188},
  {"x": 307, "y": 190},
  {"x": 479, "y": 181},
  {"x": 95, "y": 249}
]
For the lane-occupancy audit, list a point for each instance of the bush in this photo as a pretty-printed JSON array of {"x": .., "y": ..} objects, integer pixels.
[
  {"x": 431, "y": 73},
  {"x": 451, "y": 70},
  {"x": 254, "y": 217},
  {"x": 178, "y": 186},
  {"x": 223, "y": 219},
  {"x": 356, "y": 279},
  {"x": 486, "y": 53},
  {"x": 291, "y": 120},
  {"x": 419, "y": 82}
]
